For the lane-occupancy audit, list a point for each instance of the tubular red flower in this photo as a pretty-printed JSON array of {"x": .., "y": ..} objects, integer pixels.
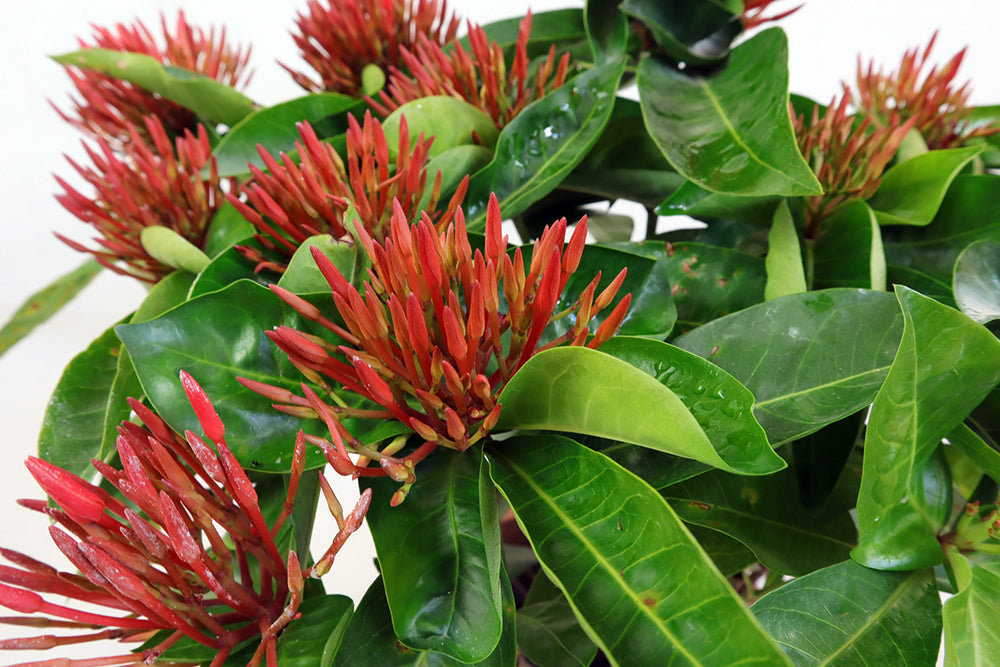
[
  {"x": 939, "y": 110},
  {"x": 154, "y": 183},
  {"x": 108, "y": 107},
  {"x": 439, "y": 362},
  {"x": 183, "y": 565},
  {"x": 339, "y": 38},
  {"x": 848, "y": 157},
  {"x": 478, "y": 76},
  {"x": 291, "y": 201}
]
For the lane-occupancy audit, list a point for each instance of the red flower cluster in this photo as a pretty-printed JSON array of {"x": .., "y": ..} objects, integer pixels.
[
  {"x": 147, "y": 184},
  {"x": 938, "y": 109},
  {"x": 478, "y": 77},
  {"x": 428, "y": 341},
  {"x": 109, "y": 108},
  {"x": 287, "y": 202},
  {"x": 185, "y": 560},
  {"x": 341, "y": 38},
  {"x": 847, "y": 156}
]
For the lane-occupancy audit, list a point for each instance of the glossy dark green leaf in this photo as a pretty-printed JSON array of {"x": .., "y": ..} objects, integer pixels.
[
  {"x": 210, "y": 99},
  {"x": 977, "y": 281},
  {"x": 607, "y": 29},
  {"x": 636, "y": 578},
  {"x": 945, "y": 366},
  {"x": 439, "y": 554},
  {"x": 986, "y": 457},
  {"x": 454, "y": 165},
  {"x": 579, "y": 390},
  {"x": 912, "y": 191},
  {"x": 544, "y": 142},
  {"x": 228, "y": 226},
  {"x": 848, "y": 252},
  {"x": 729, "y": 555},
  {"x": 972, "y": 620},
  {"x": 847, "y": 615},
  {"x": 274, "y": 129},
  {"x": 227, "y": 268},
  {"x": 785, "y": 272},
  {"x": 652, "y": 311},
  {"x": 729, "y": 132},
  {"x": 450, "y": 120},
  {"x": 371, "y": 642},
  {"x": 970, "y": 212},
  {"x": 559, "y": 27},
  {"x": 548, "y": 633},
  {"x": 658, "y": 469},
  {"x": 711, "y": 281},
  {"x": 312, "y": 639},
  {"x": 74, "y": 418},
  {"x": 46, "y": 302},
  {"x": 819, "y": 458},
  {"x": 764, "y": 514},
  {"x": 718, "y": 402},
  {"x": 809, "y": 359},
  {"x": 696, "y": 32},
  {"x": 701, "y": 204}
]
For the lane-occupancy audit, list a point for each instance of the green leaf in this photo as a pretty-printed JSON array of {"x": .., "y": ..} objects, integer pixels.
[
  {"x": 439, "y": 555},
  {"x": 580, "y": 390},
  {"x": 170, "y": 248},
  {"x": 847, "y": 615},
  {"x": 544, "y": 142},
  {"x": 303, "y": 276},
  {"x": 313, "y": 639},
  {"x": 227, "y": 268},
  {"x": 977, "y": 281},
  {"x": 74, "y": 418},
  {"x": 696, "y": 32},
  {"x": 912, "y": 191},
  {"x": 637, "y": 580},
  {"x": 228, "y": 227},
  {"x": 810, "y": 359},
  {"x": 730, "y": 556},
  {"x": 548, "y": 633},
  {"x": 972, "y": 620},
  {"x": 699, "y": 203},
  {"x": 987, "y": 458},
  {"x": 210, "y": 99},
  {"x": 819, "y": 458},
  {"x": 945, "y": 366},
  {"x": 785, "y": 273},
  {"x": 970, "y": 212},
  {"x": 46, "y": 302},
  {"x": 711, "y": 281},
  {"x": 454, "y": 164},
  {"x": 371, "y": 642},
  {"x": 450, "y": 120},
  {"x": 729, "y": 132},
  {"x": 848, "y": 252},
  {"x": 559, "y": 27},
  {"x": 764, "y": 514},
  {"x": 652, "y": 312},
  {"x": 722, "y": 406},
  {"x": 217, "y": 338},
  {"x": 274, "y": 128},
  {"x": 607, "y": 29}
]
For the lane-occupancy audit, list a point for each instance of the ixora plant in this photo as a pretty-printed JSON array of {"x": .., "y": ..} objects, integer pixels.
[{"x": 774, "y": 439}]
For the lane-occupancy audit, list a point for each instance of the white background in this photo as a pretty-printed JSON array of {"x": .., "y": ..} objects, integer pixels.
[{"x": 825, "y": 38}]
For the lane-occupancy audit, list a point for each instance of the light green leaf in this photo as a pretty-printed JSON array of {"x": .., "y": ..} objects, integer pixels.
[
  {"x": 580, "y": 390},
  {"x": 785, "y": 273},
  {"x": 170, "y": 248},
  {"x": 637, "y": 580},
  {"x": 303, "y": 276},
  {"x": 46, "y": 302},
  {"x": 847, "y": 615},
  {"x": 450, "y": 120},
  {"x": 945, "y": 366},
  {"x": 972, "y": 620},
  {"x": 210, "y": 99},
  {"x": 730, "y": 131},
  {"x": 912, "y": 191}
]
